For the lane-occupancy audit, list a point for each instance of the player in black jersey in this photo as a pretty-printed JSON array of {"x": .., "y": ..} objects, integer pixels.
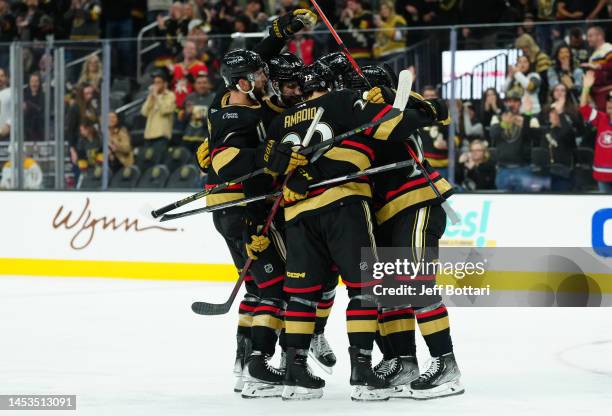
[
  {"x": 340, "y": 67},
  {"x": 284, "y": 71},
  {"x": 409, "y": 215},
  {"x": 237, "y": 122},
  {"x": 329, "y": 225}
]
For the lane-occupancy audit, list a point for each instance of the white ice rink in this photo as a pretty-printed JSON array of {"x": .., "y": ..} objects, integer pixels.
[{"x": 129, "y": 347}]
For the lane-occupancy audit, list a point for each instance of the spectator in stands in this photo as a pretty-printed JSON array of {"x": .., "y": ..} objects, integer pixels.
[
  {"x": 202, "y": 11},
  {"x": 120, "y": 144},
  {"x": 119, "y": 24},
  {"x": 564, "y": 71},
  {"x": 88, "y": 147},
  {"x": 435, "y": 139},
  {"x": 546, "y": 12},
  {"x": 157, "y": 8},
  {"x": 8, "y": 29},
  {"x": 602, "y": 161},
  {"x": 412, "y": 10},
  {"x": 84, "y": 108},
  {"x": 564, "y": 104},
  {"x": 389, "y": 40},
  {"x": 579, "y": 9},
  {"x": 303, "y": 46},
  {"x": 6, "y": 110},
  {"x": 242, "y": 24},
  {"x": 578, "y": 46},
  {"x": 538, "y": 60},
  {"x": 184, "y": 73},
  {"x": 255, "y": 12},
  {"x": 34, "y": 106},
  {"x": 173, "y": 31},
  {"x": 354, "y": 17},
  {"x": 526, "y": 83},
  {"x": 196, "y": 112},
  {"x": 475, "y": 170},
  {"x": 91, "y": 72},
  {"x": 600, "y": 62},
  {"x": 472, "y": 127},
  {"x": 560, "y": 139},
  {"x": 84, "y": 19},
  {"x": 512, "y": 139},
  {"x": 204, "y": 52},
  {"x": 491, "y": 105},
  {"x": 159, "y": 108},
  {"x": 33, "y": 24}
]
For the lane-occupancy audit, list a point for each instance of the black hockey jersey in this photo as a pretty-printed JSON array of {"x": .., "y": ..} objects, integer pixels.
[{"x": 344, "y": 110}]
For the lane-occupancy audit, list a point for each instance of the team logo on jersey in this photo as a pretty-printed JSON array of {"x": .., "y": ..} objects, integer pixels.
[
  {"x": 605, "y": 139},
  {"x": 268, "y": 268},
  {"x": 228, "y": 116}
]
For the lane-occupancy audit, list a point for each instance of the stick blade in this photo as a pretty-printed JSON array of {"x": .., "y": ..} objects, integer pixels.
[
  {"x": 205, "y": 308},
  {"x": 404, "y": 86}
]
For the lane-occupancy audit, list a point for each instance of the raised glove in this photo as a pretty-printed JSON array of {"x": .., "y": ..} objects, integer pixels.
[
  {"x": 258, "y": 244},
  {"x": 285, "y": 26},
  {"x": 203, "y": 156},
  {"x": 280, "y": 158},
  {"x": 436, "y": 108},
  {"x": 380, "y": 95},
  {"x": 297, "y": 186}
]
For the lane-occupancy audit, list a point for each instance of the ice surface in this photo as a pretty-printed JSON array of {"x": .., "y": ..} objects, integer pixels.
[{"x": 129, "y": 347}]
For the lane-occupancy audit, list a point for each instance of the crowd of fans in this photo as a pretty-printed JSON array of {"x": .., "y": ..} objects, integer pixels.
[{"x": 532, "y": 139}]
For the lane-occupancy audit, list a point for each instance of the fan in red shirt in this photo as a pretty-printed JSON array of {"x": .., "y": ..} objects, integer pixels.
[
  {"x": 184, "y": 73},
  {"x": 602, "y": 159}
]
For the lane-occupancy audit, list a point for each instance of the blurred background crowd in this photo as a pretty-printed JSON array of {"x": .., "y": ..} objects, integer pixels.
[{"x": 546, "y": 127}]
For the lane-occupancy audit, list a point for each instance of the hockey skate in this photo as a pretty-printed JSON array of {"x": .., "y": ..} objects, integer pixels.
[
  {"x": 243, "y": 350},
  {"x": 441, "y": 379},
  {"x": 299, "y": 382},
  {"x": 399, "y": 373},
  {"x": 321, "y": 353},
  {"x": 261, "y": 379},
  {"x": 367, "y": 385}
]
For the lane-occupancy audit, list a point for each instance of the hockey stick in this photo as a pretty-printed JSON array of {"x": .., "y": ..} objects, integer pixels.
[
  {"x": 340, "y": 43},
  {"x": 205, "y": 308},
  {"x": 201, "y": 194},
  {"x": 245, "y": 201}
]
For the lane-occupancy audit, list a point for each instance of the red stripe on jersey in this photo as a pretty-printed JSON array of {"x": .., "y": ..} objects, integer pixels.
[
  {"x": 399, "y": 312},
  {"x": 246, "y": 307},
  {"x": 360, "y": 146},
  {"x": 436, "y": 155},
  {"x": 248, "y": 278},
  {"x": 267, "y": 308},
  {"x": 301, "y": 314},
  {"x": 271, "y": 281},
  {"x": 410, "y": 184},
  {"x": 325, "y": 304},
  {"x": 377, "y": 117},
  {"x": 435, "y": 312},
  {"x": 302, "y": 289},
  {"x": 361, "y": 284},
  {"x": 217, "y": 150},
  {"x": 371, "y": 312}
]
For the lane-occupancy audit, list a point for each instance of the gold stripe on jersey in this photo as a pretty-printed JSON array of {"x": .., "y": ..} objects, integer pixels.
[
  {"x": 330, "y": 196},
  {"x": 221, "y": 198},
  {"x": 323, "y": 313},
  {"x": 267, "y": 321},
  {"x": 385, "y": 129},
  {"x": 437, "y": 163},
  {"x": 410, "y": 198},
  {"x": 431, "y": 327},
  {"x": 224, "y": 157},
  {"x": 343, "y": 154},
  {"x": 398, "y": 325},
  {"x": 273, "y": 106},
  {"x": 365, "y": 325},
  {"x": 245, "y": 320},
  {"x": 299, "y": 327}
]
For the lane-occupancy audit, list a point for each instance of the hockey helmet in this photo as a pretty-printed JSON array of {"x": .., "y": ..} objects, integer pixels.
[
  {"x": 340, "y": 66},
  {"x": 241, "y": 64},
  {"x": 317, "y": 76},
  {"x": 376, "y": 75}
]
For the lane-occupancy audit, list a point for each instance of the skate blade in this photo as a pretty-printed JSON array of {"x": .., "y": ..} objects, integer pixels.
[
  {"x": 368, "y": 394},
  {"x": 400, "y": 392},
  {"x": 452, "y": 388},
  {"x": 239, "y": 384},
  {"x": 259, "y": 390},
  {"x": 301, "y": 393},
  {"x": 328, "y": 370}
]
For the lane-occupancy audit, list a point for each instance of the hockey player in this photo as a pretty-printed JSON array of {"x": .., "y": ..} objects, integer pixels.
[
  {"x": 329, "y": 225},
  {"x": 237, "y": 121},
  {"x": 340, "y": 67},
  {"x": 409, "y": 215}
]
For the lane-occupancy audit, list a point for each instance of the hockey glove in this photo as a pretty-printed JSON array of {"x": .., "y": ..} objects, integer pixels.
[
  {"x": 280, "y": 158},
  {"x": 436, "y": 108},
  {"x": 287, "y": 25},
  {"x": 258, "y": 244},
  {"x": 297, "y": 186},
  {"x": 203, "y": 156},
  {"x": 380, "y": 95}
]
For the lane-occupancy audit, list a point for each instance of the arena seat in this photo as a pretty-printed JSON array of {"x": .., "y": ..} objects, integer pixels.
[
  {"x": 154, "y": 178},
  {"x": 125, "y": 178},
  {"x": 185, "y": 177}
]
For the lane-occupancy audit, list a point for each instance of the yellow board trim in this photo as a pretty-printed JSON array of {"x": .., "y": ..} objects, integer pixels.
[{"x": 431, "y": 327}]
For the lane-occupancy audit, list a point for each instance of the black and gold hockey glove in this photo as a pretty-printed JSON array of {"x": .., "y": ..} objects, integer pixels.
[
  {"x": 203, "y": 156},
  {"x": 279, "y": 158},
  {"x": 291, "y": 23},
  {"x": 297, "y": 186},
  {"x": 436, "y": 108},
  {"x": 258, "y": 244},
  {"x": 254, "y": 242},
  {"x": 380, "y": 95}
]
